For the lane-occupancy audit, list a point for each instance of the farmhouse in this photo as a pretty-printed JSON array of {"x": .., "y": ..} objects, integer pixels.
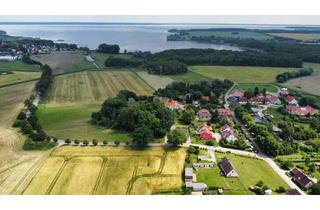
[
  {"x": 188, "y": 175},
  {"x": 301, "y": 179},
  {"x": 224, "y": 113},
  {"x": 227, "y": 168},
  {"x": 258, "y": 100},
  {"x": 204, "y": 114},
  {"x": 205, "y": 132},
  {"x": 291, "y": 100},
  {"x": 243, "y": 100},
  {"x": 302, "y": 111},
  {"x": 203, "y": 165},
  {"x": 228, "y": 133}
]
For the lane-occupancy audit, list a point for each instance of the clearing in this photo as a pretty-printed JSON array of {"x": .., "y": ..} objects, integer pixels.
[
  {"x": 250, "y": 170},
  {"x": 241, "y": 74},
  {"x": 94, "y": 87},
  {"x": 109, "y": 170},
  {"x": 12, "y": 98},
  {"x": 17, "y": 77},
  {"x": 64, "y": 61}
]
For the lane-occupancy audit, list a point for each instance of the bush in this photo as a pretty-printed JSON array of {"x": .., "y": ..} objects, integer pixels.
[
  {"x": 210, "y": 143},
  {"x": 117, "y": 142},
  {"x": 67, "y": 141},
  {"x": 281, "y": 189},
  {"x": 85, "y": 142},
  {"x": 105, "y": 142},
  {"x": 76, "y": 141},
  {"x": 127, "y": 142},
  {"x": 22, "y": 116},
  {"x": 95, "y": 142},
  {"x": 55, "y": 139}
]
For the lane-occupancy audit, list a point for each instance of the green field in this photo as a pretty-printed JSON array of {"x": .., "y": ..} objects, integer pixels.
[
  {"x": 18, "y": 65},
  {"x": 250, "y": 171},
  {"x": 230, "y": 34},
  {"x": 18, "y": 76},
  {"x": 65, "y": 61},
  {"x": 11, "y": 101},
  {"x": 191, "y": 76},
  {"x": 241, "y": 74},
  {"x": 74, "y": 122},
  {"x": 93, "y": 87},
  {"x": 109, "y": 170},
  {"x": 252, "y": 86}
]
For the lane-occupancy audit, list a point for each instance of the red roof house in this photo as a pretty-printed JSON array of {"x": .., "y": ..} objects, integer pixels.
[
  {"x": 284, "y": 92},
  {"x": 224, "y": 112},
  {"x": 301, "y": 179},
  {"x": 238, "y": 93},
  {"x": 243, "y": 100},
  {"x": 302, "y": 111},
  {"x": 205, "y": 132},
  {"x": 204, "y": 114},
  {"x": 291, "y": 100},
  {"x": 173, "y": 105}
]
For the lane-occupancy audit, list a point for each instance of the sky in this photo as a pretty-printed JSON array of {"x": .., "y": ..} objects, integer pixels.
[{"x": 223, "y": 19}]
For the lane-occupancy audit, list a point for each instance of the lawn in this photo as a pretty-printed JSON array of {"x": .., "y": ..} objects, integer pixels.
[
  {"x": 299, "y": 36},
  {"x": 191, "y": 76},
  {"x": 109, "y": 170},
  {"x": 241, "y": 74},
  {"x": 252, "y": 86},
  {"x": 65, "y": 61},
  {"x": 94, "y": 87},
  {"x": 250, "y": 171},
  {"x": 17, "y": 65},
  {"x": 17, "y": 77},
  {"x": 74, "y": 122},
  {"x": 11, "y": 101}
]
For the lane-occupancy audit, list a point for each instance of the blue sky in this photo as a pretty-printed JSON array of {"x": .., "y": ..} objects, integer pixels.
[{"x": 248, "y": 19}]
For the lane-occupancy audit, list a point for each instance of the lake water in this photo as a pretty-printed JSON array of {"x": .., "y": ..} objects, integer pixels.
[{"x": 130, "y": 37}]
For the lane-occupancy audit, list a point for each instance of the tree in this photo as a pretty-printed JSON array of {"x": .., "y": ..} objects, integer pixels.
[
  {"x": 117, "y": 142},
  {"x": 105, "y": 142},
  {"x": 22, "y": 116},
  {"x": 85, "y": 142},
  {"x": 26, "y": 128},
  {"x": 176, "y": 138},
  {"x": 188, "y": 116},
  {"x": 94, "y": 142},
  {"x": 281, "y": 189},
  {"x": 67, "y": 141},
  {"x": 142, "y": 135},
  {"x": 107, "y": 48},
  {"x": 315, "y": 189},
  {"x": 76, "y": 141}
]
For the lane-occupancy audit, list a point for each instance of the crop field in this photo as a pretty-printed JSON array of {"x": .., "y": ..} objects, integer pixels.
[
  {"x": 94, "y": 86},
  {"x": 18, "y": 76},
  {"x": 227, "y": 34},
  {"x": 108, "y": 170},
  {"x": 250, "y": 171},
  {"x": 17, "y": 65},
  {"x": 155, "y": 81},
  {"x": 252, "y": 86},
  {"x": 11, "y": 102},
  {"x": 65, "y": 61},
  {"x": 299, "y": 36},
  {"x": 241, "y": 74},
  {"x": 308, "y": 84},
  {"x": 190, "y": 76}
]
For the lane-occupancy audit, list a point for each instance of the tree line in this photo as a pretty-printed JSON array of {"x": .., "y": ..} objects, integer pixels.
[{"x": 281, "y": 78}]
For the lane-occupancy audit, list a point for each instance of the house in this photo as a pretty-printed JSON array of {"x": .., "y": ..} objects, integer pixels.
[
  {"x": 188, "y": 175},
  {"x": 227, "y": 168},
  {"x": 301, "y": 179},
  {"x": 284, "y": 92},
  {"x": 205, "y": 98},
  {"x": 228, "y": 133},
  {"x": 293, "y": 192},
  {"x": 291, "y": 100},
  {"x": 173, "y": 105},
  {"x": 203, "y": 165},
  {"x": 238, "y": 93},
  {"x": 258, "y": 100},
  {"x": 302, "y": 111},
  {"x": 205, "y": 132},
  {"x": 198, "y": 187},
  {"x": 204, "y": 114},
  {"x": 203, "y": 158},
  {"x": 273, "y": 99},
  {"x": 224, "y": 113}
]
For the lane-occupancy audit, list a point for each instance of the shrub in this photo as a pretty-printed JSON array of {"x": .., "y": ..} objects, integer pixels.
[
  {"x": 76, "y": 141},
  {"x": 67, "y": 141},
  {"x": 209, "y": 143},
  {"x": 105, "y": 142},
  {"x": 94, "y": 142},
  {"x": 55, "y": 139},
  {"x": 85, "y": 142},
  {"x": 281, "y": 189},
  {"x": 127, "y": 142},
  {"x": 117, "y": 142}
]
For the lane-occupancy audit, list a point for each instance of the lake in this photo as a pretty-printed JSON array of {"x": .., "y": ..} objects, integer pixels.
[{"x": 132, "y": 37}]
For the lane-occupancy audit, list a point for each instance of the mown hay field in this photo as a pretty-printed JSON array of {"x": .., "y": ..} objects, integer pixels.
[
  {"x": 155, "y": 81},
  {"x": 17, "y": 77},
  {"x": 93, "y": 87},
  {"x": 242, "y": 74},
  {"x": 12, "y": 98},
  {"x": 64, "y": 61},
  {"x": 109, "y": 170}
]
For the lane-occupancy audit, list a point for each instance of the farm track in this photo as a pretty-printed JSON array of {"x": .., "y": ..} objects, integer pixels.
[
  {"x": 52, "y": 184},
  {"x": 101, "y": 172}
]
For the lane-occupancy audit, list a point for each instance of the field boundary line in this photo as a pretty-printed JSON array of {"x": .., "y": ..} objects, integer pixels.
[
  {"x": 135, "y": 73},
  {"x": 18, "y": 83},
  {"x": 102, "y": 169},
  {"x": 54, "y": 181}
]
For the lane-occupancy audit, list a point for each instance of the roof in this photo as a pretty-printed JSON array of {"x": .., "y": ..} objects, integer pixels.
[
  {"x": 300, "y": 178},
  {"x": 227, "y": 131},
  {"x": 273, "y": 98},
  {"x": 199, "y": 186},
  {"x": 171, "y": 103},
  {"x": 238, "y": 93},
  {"x": 224, "y": 112},
  {"x": 203, "y": 112},
  {"x": 206, "y": 135},
  {"x": 205, "y": 98},
  {"x": 290, "y": 98},
  {"x": 226, "y": 166},
  {"x": 293, "y": 192},
  {"x": 188, "y": 172},
  {"x": 302, "y": 111}
]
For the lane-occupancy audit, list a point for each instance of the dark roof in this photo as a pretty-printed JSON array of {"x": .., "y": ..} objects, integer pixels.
[
  {"x": 226, "y": 166},
  {"x": 293, "y": 192},
  {"x": 300, "y": 178}
]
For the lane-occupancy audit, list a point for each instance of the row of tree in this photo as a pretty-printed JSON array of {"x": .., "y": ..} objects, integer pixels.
[
  {"x": 281, "y": 78},
  {"x": 145, "y": 118}
]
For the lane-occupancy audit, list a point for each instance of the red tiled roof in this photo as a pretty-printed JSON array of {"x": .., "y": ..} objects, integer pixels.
[
  {"x": 171, "y": 103},
  {"x": 227, "y": 131},
  {"x": 289, "y": 98},
  {"x": 273, "y": 98},
  {"x": 302, "y": 111},
  {"x": 206, "y": 135},
  {"x": 238, "y": 93},
  {"x": 224, "y": 112}
]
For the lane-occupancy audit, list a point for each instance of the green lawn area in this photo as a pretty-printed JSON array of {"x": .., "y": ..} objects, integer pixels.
[
  {"x": 241, "y": 74},
  {"x": 18, "y": 65},
  {"x": 250, "y": 171},
  {"x": 252, "y": 86},
  {"x": 73, "y": 122},
  {"x": 190, "y": 76}
]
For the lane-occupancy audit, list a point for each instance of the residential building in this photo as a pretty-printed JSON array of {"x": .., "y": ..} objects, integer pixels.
[
  {"x": 273, "y": 99},
  {"x": 204, "y": 114},
  {"x": 243, "y": 100},
  {"x": 238, "y": 94},
  {"x": 291, "y": 100},
  {"x": 173, "y": 105},
  {"x": 284, "y": 92},
  {"x": 224, "y": 113},
  {"x": 203, "y": 165},
  {"x": 188, "y": 175},
  {"x": 301, "y": 179},
  {"x": 205, "y": 132},
  {"x": 228, "y": 133},
  {"x": 302, "y": 111},
  {"x": 227, "y": 168}
]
